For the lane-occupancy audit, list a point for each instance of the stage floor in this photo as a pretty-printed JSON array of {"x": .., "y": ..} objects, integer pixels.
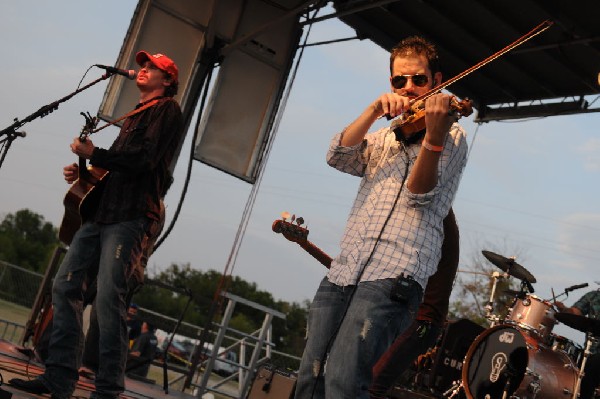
[{"x": 15, "y": 364}]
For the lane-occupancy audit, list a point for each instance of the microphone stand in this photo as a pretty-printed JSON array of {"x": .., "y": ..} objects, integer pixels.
[{"x": 11, "y": 131}]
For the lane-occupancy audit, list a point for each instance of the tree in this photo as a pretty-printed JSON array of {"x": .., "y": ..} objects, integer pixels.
[
  {"x": 27, "y": 240},
  {"x": 287, "y": 334}
]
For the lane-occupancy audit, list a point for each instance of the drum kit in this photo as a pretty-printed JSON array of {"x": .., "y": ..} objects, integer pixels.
[{"x": 518, "y": 356}]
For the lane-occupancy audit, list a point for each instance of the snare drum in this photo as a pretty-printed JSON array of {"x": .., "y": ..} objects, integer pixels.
[
  {"x": 565, "y": 345},
  {"x": 504, "y": 358},
  {"x": 534, "y": 315}
]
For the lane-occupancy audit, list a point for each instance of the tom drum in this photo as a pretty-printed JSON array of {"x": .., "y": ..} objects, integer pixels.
[{"x": 534, "y": 315}]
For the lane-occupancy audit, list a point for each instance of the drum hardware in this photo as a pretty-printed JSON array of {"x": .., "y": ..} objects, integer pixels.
[
  {"x": 589, "y": 341},
  {"x": 489, "y": 307},
  {"x": 591, "y": 328},
  {"x": 517, "y": 294},
  {"x": 535, "y": 385},
  {"x": 454, "y": 389}
]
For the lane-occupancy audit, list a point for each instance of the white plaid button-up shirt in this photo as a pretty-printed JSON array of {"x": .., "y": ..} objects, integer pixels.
[{"x": 411, "y": 241}]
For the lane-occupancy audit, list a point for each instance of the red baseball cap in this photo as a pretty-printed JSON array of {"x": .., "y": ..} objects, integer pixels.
[{"x": 161, "y": 61}]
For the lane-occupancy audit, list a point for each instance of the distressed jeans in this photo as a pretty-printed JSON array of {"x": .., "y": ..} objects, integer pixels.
[
  {"x": 104, "y": 250},
  {"x": 343, "y": 345}
]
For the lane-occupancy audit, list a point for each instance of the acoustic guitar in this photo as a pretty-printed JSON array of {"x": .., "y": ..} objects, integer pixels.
[
  {"x": 298, "y": 234},
  {"x": 83, "y": 197}
]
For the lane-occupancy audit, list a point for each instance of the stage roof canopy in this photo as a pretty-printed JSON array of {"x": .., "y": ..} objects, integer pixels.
[{"x": 554, "y": 73}]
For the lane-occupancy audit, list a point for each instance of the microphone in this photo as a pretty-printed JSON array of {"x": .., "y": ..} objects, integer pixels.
[
  {"x": 128, "y": 73},
  {"x": 576, "y": 287}
]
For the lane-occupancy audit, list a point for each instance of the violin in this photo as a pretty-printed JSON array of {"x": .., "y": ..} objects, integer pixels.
[{"x": 413, "y": 120}]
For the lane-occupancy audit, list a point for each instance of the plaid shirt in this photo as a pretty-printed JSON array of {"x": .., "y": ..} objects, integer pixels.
[{"x": 411, "y": 240}]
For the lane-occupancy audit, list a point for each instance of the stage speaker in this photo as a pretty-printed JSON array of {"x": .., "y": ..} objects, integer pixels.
[
  {"x": 271, "y": 383},
  {"x": 237, "y": 123},
  {"x": 176, "y": 28},
  {"x": 456, "y": 340}
]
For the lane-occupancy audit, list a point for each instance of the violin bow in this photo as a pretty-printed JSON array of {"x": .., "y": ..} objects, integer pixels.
[{"x": 534, "y": 32}]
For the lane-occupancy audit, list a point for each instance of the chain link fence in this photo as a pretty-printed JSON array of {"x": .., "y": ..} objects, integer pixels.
[{"x": 18, "y": 286}]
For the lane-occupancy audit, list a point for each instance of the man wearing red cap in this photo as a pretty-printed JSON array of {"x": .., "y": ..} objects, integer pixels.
[{"x": 110, "y": 243}]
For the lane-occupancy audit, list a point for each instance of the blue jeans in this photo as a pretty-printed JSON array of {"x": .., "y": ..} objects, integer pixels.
[
  {"x": 353, "y": 339},
  {"x": 104, "y": 251}
]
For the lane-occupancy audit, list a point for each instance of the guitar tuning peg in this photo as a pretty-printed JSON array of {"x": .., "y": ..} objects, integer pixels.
[
  {"x": 300, "y": 220},
  {"x": 285, "y": 215}
]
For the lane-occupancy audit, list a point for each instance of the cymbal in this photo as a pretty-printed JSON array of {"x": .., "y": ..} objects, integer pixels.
[
  {"x": 578, "y": 322},
  {"x": 510, "y": 266}
]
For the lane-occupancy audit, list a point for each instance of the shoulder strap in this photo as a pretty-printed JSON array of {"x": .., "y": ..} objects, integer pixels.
[{"x": 131, "y": 113}]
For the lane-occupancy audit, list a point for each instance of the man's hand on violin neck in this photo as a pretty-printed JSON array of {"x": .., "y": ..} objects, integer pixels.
[{"x": 438, "y": 118}]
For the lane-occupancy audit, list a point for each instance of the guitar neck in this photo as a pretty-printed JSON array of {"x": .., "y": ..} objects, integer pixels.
[
  {"x": 316, "y": 253},
  {"x": 83, "y": 171},
  {"x": 298, "y": 234}
]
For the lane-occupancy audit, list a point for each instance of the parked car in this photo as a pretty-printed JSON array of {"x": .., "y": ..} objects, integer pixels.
[
  {"x": 179, "y": 352},
  {"x": 221, "y": 366}
]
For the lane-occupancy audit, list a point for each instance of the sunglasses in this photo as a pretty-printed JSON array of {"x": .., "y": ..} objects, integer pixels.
[{"x": 419, "y": 80}]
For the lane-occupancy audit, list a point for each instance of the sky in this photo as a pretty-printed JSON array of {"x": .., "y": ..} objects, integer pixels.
[{"x": 530, "y": 187}]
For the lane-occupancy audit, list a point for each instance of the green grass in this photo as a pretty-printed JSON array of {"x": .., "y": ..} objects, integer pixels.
[{"x": 14, "y": 313}]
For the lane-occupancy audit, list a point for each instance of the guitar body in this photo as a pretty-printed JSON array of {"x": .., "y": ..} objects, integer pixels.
[{"x": 81, "y": 201}]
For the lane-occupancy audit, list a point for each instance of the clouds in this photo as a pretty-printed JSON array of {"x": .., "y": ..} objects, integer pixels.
[
  {"x": 590, "y": 154},
  {"x": 578, "y": 235}
]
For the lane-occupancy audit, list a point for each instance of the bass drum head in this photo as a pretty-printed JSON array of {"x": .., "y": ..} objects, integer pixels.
[{"x": 495, "y": 362}]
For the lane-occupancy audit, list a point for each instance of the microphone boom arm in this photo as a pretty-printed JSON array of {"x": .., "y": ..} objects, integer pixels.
[{"x": 11, "y": 131}]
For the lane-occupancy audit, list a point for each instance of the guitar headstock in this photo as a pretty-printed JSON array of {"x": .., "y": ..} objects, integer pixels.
[
  {"x": 90, "y": 124},
  {"x": 291, "y": 230}
]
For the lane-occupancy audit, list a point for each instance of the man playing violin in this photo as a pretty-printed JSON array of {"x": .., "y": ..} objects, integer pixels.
[{"x": 393, "y": 238}]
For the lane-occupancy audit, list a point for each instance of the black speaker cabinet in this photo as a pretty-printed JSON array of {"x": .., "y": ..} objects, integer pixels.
[
  {"x": 271, "y": 383},
  {"x": 456, "y": 340}
]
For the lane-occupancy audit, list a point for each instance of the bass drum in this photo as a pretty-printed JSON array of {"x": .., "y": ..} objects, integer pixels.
[{"x": 503, "y": 358}]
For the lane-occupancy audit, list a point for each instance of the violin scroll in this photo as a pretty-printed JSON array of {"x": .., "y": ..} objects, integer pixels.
[{"x": 461, "y": 108}]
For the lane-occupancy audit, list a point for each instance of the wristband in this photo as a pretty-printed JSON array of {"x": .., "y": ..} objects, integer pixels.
[{"x": 431, "y": 147}]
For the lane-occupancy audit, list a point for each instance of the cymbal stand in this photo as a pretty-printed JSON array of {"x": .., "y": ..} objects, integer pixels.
[
  {"x": 589, "y": 341},
  {"x": 489, "y": 308}
]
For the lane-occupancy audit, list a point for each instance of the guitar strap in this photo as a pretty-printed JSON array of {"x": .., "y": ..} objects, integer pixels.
[{"x": 131, "y": 113}]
